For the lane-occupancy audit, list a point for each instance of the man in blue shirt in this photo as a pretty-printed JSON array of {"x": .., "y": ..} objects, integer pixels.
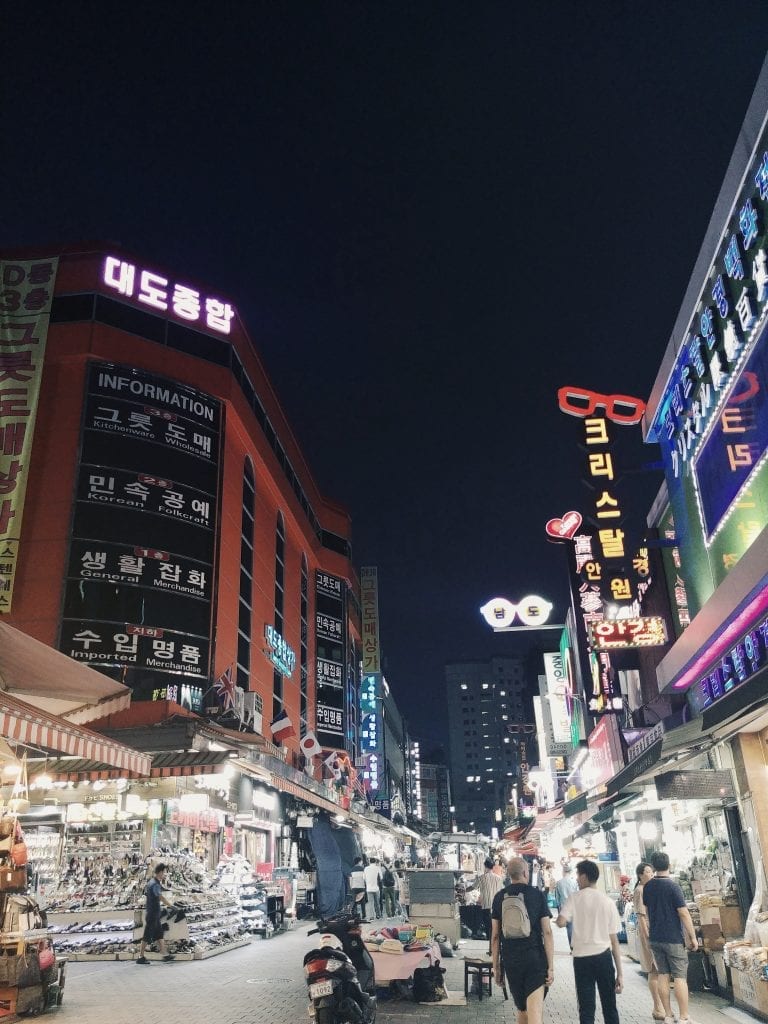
[
  {"x": 670, "y": 932},
  {"x": 153, "y": 929}
]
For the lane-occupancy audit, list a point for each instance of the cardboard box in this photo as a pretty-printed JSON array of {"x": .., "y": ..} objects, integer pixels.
[
  {"x": 712, "y": 936},
  {"x": 731, "y": 922},
  {"x": 744, "y": 988},
  {"x": 710, "y": 915}
]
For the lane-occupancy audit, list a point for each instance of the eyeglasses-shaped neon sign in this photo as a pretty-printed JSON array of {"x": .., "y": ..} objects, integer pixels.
[{"x": 531, "y": 610}]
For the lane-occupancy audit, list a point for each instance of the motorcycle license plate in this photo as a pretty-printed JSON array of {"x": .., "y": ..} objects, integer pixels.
[{"x": 321, "y": 988}]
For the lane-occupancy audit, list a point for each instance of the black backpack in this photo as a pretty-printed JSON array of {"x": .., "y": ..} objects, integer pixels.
[
  {"x": 428, "y": 984},
  {"x": 388, "y": 879}
]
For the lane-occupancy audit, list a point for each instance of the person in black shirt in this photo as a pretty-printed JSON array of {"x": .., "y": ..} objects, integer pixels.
[
  {"x": 153, "y": 929},
  {"x": 527, "y": 962}
]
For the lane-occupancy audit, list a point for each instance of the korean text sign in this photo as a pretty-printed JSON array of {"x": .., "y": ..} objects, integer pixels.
[{"x": 26, "y": 291}]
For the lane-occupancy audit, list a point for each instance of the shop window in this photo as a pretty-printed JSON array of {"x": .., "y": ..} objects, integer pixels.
[{"x": 67, "y": 309}]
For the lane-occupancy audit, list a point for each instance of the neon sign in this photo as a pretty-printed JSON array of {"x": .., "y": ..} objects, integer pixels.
[
  {"x": 159, "y": 293},
  {"x": 370, "y": 727},
  {"x": 623, "y": 410},
  {"x": 531, "y": 610},
  {"x": 279, "y": 653},
  {"x": 650, "y": 631},
  {"x": 735, "y": 665},
  {"x": 564, "y": 528}
]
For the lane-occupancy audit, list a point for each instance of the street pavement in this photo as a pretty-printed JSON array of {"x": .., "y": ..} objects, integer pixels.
[{"x": 263, "y": 983}]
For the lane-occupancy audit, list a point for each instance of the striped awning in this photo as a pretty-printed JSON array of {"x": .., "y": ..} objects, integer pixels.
[
  {"x": 304, "y": 794},
  {"x": 28, "y": 726},
  {"x": 166, "y": 765}
]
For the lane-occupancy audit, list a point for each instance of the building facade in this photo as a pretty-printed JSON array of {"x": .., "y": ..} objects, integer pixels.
[
  {"x": 487, "y": 715},
  {"x": 172, "y": 535}
]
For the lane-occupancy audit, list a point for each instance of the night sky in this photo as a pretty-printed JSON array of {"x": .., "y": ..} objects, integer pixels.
[{"x": 430, "y": 216}]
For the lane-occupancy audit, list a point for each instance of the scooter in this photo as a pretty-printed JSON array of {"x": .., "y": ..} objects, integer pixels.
[{"x": 340, "y": 974}]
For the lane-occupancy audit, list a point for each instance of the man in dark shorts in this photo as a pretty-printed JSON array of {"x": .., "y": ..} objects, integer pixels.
[
  {"x": 153, "y": 929},
  {"x": 671, "y": 934},
  {"x": 527, "y": 962}
]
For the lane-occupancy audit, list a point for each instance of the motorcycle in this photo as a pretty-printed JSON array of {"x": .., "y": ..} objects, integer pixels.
[{"x": 340, "y": 974}]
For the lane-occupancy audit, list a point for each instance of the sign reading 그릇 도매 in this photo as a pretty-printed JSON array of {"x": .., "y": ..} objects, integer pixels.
[{"x": 26, "y": 291}]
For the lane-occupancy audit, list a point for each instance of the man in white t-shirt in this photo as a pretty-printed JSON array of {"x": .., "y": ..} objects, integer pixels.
[
  {"x": 372, "y": 874},
  {"x": 596, "y": 925}
]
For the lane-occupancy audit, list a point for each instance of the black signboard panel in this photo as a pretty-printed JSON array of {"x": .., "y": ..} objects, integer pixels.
[
  {"x": 140, "y": 580},
  {"x": 330, "y": 642},
  {"x": 703, "y": 784}
]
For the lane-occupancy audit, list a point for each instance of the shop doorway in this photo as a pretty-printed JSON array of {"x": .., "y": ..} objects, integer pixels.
[{"x": 743, "y": 868}]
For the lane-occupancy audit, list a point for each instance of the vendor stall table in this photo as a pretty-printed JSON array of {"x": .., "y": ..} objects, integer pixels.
[{"x": 400, "y": 966}]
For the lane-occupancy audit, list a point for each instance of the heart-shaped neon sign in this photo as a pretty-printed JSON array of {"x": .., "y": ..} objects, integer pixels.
[{"x": 564, "y": 528}]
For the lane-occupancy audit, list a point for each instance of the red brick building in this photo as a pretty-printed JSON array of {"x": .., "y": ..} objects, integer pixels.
[{"x": 173, "y": 535}]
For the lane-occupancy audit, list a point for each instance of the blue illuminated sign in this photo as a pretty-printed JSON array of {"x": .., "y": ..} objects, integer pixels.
[
  {"x": 731, "y": 453},
  {"x": 279, "y": 653},
  {"x": 370, "y": 727},
  {"x": 710, "y": 356},
  {"x": 735, "y": 667}
]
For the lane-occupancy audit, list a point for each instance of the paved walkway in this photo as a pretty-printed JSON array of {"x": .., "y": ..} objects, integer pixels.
[{"x": 263, "y": 984}]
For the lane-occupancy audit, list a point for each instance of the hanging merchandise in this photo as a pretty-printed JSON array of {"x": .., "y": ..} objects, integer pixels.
[
  {"x": 19, "y": 801},
  {"x": 19, "y": 853}
]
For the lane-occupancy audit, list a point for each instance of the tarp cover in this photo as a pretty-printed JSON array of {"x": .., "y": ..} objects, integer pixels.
[{"x": 331, "y": 888}]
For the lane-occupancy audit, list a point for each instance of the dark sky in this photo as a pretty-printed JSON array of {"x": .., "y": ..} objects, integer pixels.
[{"x": 430, "y": 215}]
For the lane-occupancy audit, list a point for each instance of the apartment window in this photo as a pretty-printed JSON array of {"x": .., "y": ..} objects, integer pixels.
[{"x": 245, "y": 601}]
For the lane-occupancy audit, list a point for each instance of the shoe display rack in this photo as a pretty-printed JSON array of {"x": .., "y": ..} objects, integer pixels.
[
  {"x": 102, "y": 920},
  {"x": 262, "y": 905},
  {"x": 44, "y": 846}
]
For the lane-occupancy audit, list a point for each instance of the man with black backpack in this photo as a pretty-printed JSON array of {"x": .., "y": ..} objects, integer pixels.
[
  {"x": 388, "y": 883},
  {"x": 522, "y": 945}
]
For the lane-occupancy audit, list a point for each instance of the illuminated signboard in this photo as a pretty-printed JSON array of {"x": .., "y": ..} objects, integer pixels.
[
  {"x": 735, "y": 666},
  {"x": 279, "y": 653},
  {"x": 735, "y": 447},
  {"x": 159, "y": 293},
  {"x": 624, "y": 633},
  {"x": 531, "y": 610},
  {"x": 139, "y": 589},
  {"x": 605, "y": 753},
  {"x": 370, "y": 728},
  {"x": 711, "y": 421},
  {"x": 330, "y": 659},
  {"x": 558, "y": 693}
]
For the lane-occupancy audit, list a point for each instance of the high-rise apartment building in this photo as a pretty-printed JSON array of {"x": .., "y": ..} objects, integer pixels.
[{"x": 487, "y": 706}]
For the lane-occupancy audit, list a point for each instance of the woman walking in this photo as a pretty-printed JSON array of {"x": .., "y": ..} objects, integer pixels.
[{"x": 644, "y": 873}]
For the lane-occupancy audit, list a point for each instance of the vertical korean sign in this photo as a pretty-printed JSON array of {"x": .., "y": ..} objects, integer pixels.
[
  {"x": 138, "y": 596},
  {"x": 330, "y": 644},
  {"x": 369, "y": 599},
  {"x": 26, "y": 293},
  {"x": 370, "y": 691}
]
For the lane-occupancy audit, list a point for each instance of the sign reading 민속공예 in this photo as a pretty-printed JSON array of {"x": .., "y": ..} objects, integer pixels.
[
  {"x": 26, "y": 293},
  {"x": 139, "y": 589}
]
